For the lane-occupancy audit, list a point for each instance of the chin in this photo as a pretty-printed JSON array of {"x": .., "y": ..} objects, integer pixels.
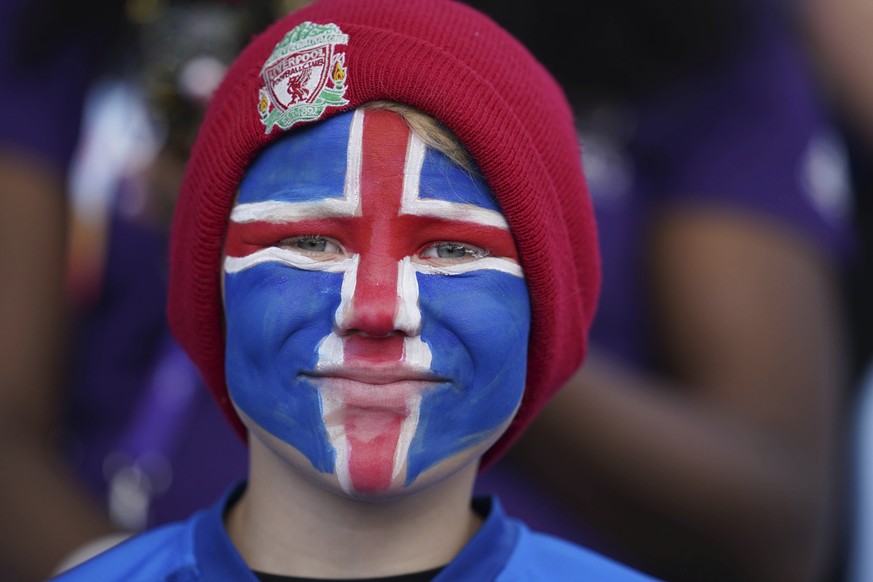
[{"x": 369, "y": 484}]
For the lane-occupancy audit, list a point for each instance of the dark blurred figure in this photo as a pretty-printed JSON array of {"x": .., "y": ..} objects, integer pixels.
[
  {"x": 93, "y": 392},
  {"x": 48, "y": 54},
  {"x": 700, "y": 440},
  {"x": 840, "y": 44},
  {"x": 139, "y": 425}
]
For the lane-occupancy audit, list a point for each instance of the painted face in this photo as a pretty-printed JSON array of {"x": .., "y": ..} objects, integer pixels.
[{"x": 377, "y": 317}]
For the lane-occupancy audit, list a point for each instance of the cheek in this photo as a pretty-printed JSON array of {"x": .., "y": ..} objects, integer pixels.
[
  {"x": 276, "y": 318},
  {"x": 477, "y": 326},
  {"x": 480, "y": 320},
  {"x": 267, "y": 305}
]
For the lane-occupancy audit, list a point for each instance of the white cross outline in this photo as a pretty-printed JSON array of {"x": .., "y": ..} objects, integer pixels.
[{"x": 416, "y": 353}]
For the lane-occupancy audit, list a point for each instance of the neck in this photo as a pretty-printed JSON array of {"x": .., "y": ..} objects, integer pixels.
[{"x": 289, "y": 525}]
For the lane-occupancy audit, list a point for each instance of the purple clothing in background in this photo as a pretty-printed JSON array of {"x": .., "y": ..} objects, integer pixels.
[
  {"x": 41, "y": 103},
  {"x": 132, "y": 393},
  {"x": 137, "y": 408},
  {"x": 749, "y": 137}
]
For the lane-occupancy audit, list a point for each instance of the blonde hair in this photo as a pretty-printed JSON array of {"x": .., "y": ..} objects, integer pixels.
[{"x": 429, "y": 130}]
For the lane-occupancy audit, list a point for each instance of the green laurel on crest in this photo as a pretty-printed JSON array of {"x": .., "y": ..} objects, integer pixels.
[
  {"x": 333, "y": 97},
  {"x": 307, "y": 34}
]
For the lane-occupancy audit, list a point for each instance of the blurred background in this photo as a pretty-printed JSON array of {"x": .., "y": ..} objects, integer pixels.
[
  {"x": 711, "y": 433},
  {"x": 717, "y": 429}
]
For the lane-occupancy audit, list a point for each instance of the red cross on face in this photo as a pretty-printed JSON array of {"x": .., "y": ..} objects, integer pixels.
[
  {"x": 383, "y": 222},
  {"x": 393, "y": 221}
]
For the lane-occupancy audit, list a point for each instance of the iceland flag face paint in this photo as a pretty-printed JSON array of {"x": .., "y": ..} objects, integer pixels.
[{"x": 377, "y": 316}]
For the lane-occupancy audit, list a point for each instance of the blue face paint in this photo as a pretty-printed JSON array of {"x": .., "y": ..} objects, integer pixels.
[{"x": 377, "y": 318}]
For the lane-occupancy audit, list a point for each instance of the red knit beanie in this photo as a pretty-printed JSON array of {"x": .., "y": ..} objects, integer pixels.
[{"x": 442, "y": 58}]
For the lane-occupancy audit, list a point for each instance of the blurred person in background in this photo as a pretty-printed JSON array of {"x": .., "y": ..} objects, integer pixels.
[
  {"x": 48, "y": 54},
  {"x": 700, "y": 441},
  {"x": 93, "y": 392},
  {"x": 138, "y": 428},
  {"x": 841, "y": 48}
]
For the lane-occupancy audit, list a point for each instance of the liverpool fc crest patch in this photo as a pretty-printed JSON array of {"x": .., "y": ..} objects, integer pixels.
[{"x": 304, "y": 75}]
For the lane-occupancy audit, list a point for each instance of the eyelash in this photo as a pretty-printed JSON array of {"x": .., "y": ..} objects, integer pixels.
[
  {"x": 470, "y": 251},
  {"x": 310, "y": 238}
]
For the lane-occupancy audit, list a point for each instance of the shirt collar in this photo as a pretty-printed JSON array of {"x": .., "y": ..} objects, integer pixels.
[{"x": 483, "y": 558}]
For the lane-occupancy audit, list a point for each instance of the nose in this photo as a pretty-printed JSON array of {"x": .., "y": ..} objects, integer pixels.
[
  {"x": 381, "y": 300},
  {"x": 373, "y": 310}
]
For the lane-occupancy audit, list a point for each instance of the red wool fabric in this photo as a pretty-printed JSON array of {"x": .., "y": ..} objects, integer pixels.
[{"x": 457, "y": 65}]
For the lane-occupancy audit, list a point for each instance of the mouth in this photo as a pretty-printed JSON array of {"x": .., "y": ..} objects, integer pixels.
[
  {"x": 376, "y": 374},
  {"x": 374, "y": 387}
]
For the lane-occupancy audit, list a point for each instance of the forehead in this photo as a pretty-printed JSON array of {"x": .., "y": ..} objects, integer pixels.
[{"x": 313, "y": 163}]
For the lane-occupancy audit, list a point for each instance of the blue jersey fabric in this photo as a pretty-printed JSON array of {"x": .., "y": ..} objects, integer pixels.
[{"x": 503, "y": 549}]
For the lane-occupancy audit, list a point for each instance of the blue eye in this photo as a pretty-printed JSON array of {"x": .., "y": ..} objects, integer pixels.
[
  {"x": 312, "y": 245},
  {"x": 453, "y": 251}
]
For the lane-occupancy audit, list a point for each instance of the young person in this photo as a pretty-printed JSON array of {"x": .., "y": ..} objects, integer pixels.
[{"x": 383, "y": 262}]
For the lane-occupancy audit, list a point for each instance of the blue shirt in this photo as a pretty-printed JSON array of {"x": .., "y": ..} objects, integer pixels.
[{"x": 199, "y": 548}]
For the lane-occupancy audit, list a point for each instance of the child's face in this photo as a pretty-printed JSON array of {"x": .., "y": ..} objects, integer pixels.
[{"x": 377, "y": 317}]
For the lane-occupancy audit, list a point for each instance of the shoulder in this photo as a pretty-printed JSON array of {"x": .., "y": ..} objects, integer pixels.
[
  {"x": 540, "y": 556},
  {"x": 506, "y": 550},
  {"x": 165, "y": 553}
]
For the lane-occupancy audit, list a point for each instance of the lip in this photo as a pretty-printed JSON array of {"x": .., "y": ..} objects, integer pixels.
[
  {"x": 385, "y": 388},
  {"x": 376, "y": 374}
]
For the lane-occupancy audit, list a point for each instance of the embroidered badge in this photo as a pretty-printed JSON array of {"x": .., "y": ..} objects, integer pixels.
[{"x": 304, "y": 75}]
